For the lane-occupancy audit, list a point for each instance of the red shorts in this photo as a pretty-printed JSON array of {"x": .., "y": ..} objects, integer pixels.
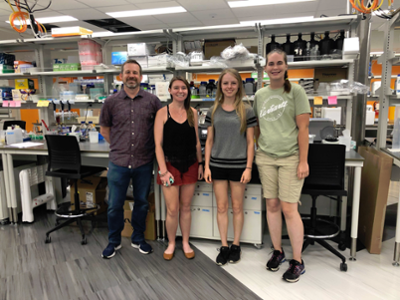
[{"x": 189, "y": 177}]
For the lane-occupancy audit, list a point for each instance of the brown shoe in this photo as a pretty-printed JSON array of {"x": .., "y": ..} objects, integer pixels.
[
  {"x": 168, "y": 256},
  {"x": 189, "y": 255}
]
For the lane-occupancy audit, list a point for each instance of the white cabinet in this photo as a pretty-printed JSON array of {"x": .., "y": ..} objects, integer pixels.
[{"x": 204, "y": 214}]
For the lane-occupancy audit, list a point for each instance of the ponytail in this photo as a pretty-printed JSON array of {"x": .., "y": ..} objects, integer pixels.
[{"x": 287, "y": 86}]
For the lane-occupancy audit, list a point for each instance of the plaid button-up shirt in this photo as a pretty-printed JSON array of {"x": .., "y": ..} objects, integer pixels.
[{"x": 131, "y": 123}]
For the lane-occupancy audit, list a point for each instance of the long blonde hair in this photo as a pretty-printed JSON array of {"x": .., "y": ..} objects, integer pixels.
[
  {"x": 239, "y": 105},
  {"x": 188, "y": 108}
]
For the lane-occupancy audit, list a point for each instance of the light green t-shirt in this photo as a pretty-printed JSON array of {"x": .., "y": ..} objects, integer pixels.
[{"x": 276, "y": 112}]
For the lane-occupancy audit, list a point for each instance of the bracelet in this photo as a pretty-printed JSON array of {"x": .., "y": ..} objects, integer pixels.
[
  {"x": 248, "y": 168},
  {"x": 161, "y": 175},
  {"x": 201, "y": 163}
]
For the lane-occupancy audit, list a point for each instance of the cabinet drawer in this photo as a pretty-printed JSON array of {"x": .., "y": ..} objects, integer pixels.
[
  {"x": 202, "y": 198},
  {"x": 202, "y": 222},
  {"x": 253, "y": 226},
  {"x": 249, "y": 202},
  {"x": 203, "y": 186}
]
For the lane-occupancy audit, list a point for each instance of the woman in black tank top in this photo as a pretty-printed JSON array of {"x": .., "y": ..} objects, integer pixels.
[{"x": 179, "y": 159}]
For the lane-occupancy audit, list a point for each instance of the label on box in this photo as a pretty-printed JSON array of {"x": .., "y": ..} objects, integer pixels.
[
  {"x": 89, "y": 200},
  {"x": 162, "y": 91},
  {"x": 131, "y": 204}
]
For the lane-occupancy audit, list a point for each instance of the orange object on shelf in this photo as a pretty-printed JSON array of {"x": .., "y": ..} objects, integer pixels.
[{"x": 70, "y": 31}]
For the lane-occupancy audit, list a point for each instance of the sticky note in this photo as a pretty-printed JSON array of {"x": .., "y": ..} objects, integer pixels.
[
  {"x": 318, "y": 101},
  {"x": 5, "y": 103},
  {"x": 11, "y": 104},
  {"x": 17, "y": 103},
  {"x": 332, "y": 100}
]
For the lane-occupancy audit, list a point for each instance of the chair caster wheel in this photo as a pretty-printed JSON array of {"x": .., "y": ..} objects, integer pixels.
[
  {"x": 84, "y": 241},
  {"x": 342, "y": 246},
  {"x": 343, "y": 267},
  {"x": 48, "y": 240}
]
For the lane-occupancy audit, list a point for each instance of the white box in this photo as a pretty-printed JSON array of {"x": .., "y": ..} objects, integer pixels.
[
  {"x": 370, "y": 116},
  {"x": 351, "y": 48},
  {"x": 158, "y": 60},
  {"x": 142, "y": 60},
  {"x": 140, "y": 49},
  {"x": 333, "y": 113},
  {"x": 375, "y": 86}
]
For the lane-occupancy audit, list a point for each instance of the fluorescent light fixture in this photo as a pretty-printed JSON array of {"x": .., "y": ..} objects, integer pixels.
[
  {"x": 147, "y": 12},
  {"x": 376, "y": 53},
  {"x": 279, "y": 21},
  {"x": 235, "y": 4},
  {"x": 49, "y": 20}
]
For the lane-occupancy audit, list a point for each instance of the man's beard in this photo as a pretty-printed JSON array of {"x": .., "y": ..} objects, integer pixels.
[{"x": 133, "y": 85}]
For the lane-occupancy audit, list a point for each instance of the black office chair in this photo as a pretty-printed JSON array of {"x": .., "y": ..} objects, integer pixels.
[
  {"x": 327, "y": 170},
  {"x": 65, "y": 162},
  {"x": 21, "y": 124}
]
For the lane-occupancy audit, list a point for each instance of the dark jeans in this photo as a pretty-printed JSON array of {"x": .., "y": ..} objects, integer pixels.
[{"x": 118, "y": 182}]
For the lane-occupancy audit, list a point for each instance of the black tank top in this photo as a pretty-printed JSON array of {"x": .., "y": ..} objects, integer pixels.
[{"x": 179, "y": 144}]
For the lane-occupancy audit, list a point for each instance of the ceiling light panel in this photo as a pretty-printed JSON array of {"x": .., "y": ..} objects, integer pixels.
[
  {"x": 147, "y": 12},
  {"x": 236, "y": 4}
]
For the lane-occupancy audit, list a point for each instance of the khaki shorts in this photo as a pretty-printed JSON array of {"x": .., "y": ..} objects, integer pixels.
[{"x": 279, "y": 177}]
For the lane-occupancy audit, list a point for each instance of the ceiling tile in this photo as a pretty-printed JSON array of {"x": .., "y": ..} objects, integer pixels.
[
  {"x": 329, "y": 4},
  {"x": 214, "y": 22},
  {"x": 150, "y": 27},
  {"x": 253, "y": 12},
  {"x": 57, "y": 6},
  {"x": 146, "y": 1},
  {"x": 174, "y": 18},
  {"x": 86, "y": 14},
  {"x": 191, "y": 5},
  {"x": 294, "y": 8},
  {"x": 185, "y": 24},
  {"x": 157, "y": 4},
  {"x": 103, "y": 3},
  {"x": 117, "y": 8},
  {"x": 47, "y": 14},
  {"x": 145, "y": 20},
  {"x": 205, "y": 15}
]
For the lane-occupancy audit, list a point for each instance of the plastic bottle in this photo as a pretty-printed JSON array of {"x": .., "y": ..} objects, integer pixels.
[
  {"x": 307, "y": 54},
  {"x": 144, "y": 86},
  {"x": 249, "y": 86},
  {"x": 288, "y": 46},
  {"x": 327, "y": 44},
  {"x": 299, "y": 48},
  {"x": 313, "y": 42},
  {"x": 83, "y": 130},
  {"x": 272, "y": 45},
  {"x": 339, "y": 41},
  {"x": 18, "y": 134},
  {"x": 10, "y": 136},
  {"x": 314, "y": 52},
  {"x": 203, "y": 89},
  {"x": 210, "y": 88},
  {"x": 91, "y": 126},
  {"x": 398, "y": 86}
]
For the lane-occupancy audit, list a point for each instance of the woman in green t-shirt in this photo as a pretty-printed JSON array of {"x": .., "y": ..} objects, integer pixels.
[{"x": 283, "y": 114}]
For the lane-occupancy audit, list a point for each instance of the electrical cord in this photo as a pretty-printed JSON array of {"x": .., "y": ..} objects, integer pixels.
[{"x": 37, "y": 28}]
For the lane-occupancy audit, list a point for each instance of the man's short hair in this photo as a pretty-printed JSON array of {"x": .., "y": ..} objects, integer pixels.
[{"x": 131, "y": 61}]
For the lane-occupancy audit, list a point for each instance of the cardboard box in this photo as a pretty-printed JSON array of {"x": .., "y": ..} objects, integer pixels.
[
  {"x": 140, "y": 49},
  {"x": 92, "y": 191},
  {"x": 330, "y": 74},
  {"x": 22, "y": 84},
  {"x": 142, "y": 60},
  {"x": 214, "y": 48},
  {"x": 158, "y": 60},
  {"x": 150, "y": 233},
  {"x": 375, "y": 181}
]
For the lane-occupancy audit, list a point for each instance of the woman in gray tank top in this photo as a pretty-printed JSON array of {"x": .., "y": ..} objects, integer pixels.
[{"x": 229, "y": 156}]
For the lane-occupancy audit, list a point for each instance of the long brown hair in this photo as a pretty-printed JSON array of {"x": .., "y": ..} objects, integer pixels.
[
  {"x": 186, "y": 104},
  {"x": 239, "y": 105},
  {"x": 287, "y": 86}
]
